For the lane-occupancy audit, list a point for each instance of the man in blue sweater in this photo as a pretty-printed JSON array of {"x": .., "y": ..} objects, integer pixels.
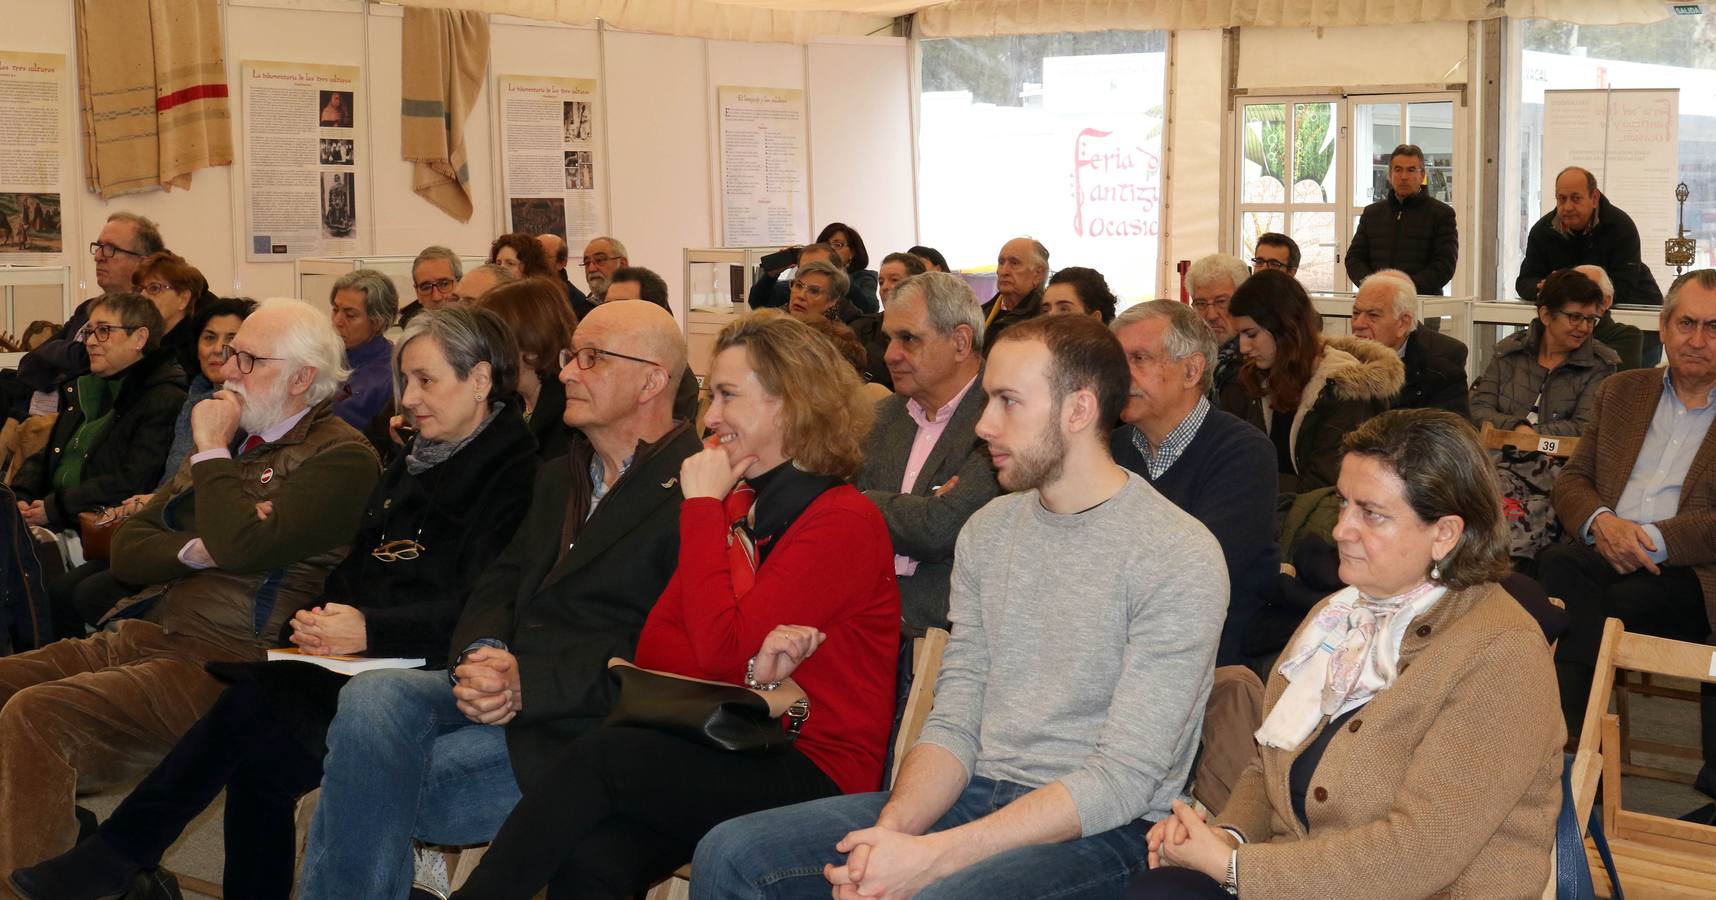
[{"x": 1203, "y": 460}]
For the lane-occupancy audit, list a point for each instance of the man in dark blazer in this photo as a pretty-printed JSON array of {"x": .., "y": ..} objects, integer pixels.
[
  {"x": 924, "y": 465},
  {"x": 1385, "y": 311},
  {"x": 1638, "y": 498},
  {"x": 440, "y": 755}
]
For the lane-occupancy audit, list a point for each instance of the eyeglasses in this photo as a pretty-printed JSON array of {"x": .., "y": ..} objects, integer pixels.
[
  {"x": 813, "y": 291},
  {"x": 102, "y": 332},
  {"x": 400, "y": 550},
  {"x": 587, "y": 356},
  {"x": 600, "y": 259},
  {"x": 1219, "y": 303},
  {"x": 1685, "y": 326},
  {"x": 1578, "y": 318},
  {"x": 1271, "y": 263},
  {"x": 155, "y": 287},
  {"x": 104, "y": 250},
  {"x": 439, "y": 285},
  {"x": 246, "y": 361}
]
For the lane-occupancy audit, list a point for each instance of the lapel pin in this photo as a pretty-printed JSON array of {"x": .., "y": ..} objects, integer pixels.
[
  {"x": 670, "y": 482},
  {"x": 267, "y": 475}
]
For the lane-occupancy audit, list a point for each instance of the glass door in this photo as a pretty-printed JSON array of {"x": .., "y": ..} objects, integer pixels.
[{"x": 1289, "y": 182}]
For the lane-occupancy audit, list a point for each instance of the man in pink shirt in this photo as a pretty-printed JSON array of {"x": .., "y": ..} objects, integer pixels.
[{"x": 924, "y": 465}]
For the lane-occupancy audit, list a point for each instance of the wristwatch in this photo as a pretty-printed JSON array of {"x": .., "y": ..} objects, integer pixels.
[{"x": 1232, "y": 883}]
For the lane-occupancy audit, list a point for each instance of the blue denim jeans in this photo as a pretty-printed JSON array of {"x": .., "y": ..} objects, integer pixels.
[
  {"x": 402, "y": 762},
  {"x": 780, "y": 853}
]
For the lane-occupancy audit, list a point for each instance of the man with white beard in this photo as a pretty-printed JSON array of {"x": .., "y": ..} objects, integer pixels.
[{"x": 242, "y": 538}]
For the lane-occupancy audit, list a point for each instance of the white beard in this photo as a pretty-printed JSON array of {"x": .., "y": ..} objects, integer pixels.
[{"x": 258, "y": 412}]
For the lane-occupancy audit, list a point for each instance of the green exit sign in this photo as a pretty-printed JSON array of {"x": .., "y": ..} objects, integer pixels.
[{"x": 1688, "y": 9}]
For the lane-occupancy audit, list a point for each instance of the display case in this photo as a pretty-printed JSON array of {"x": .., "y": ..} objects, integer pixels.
[
  {"x": 29, "y": 294},
  {"x": 717, "y": 281},
  {"x": 315, "y": 275}
]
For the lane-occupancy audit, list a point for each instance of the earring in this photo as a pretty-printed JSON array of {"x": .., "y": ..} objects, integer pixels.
[
  {"x": 479, "y": 398},
  {"x": 1435, "y": 570}
]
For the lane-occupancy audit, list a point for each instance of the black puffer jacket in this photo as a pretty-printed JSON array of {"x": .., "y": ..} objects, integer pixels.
[
  {"x": 1417, "y": 235},
  {"x": 128, "y": 459},
  {"x": 1613, "y": 243}
]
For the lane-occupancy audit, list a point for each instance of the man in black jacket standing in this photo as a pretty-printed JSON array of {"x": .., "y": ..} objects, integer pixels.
[
  {"x": 1584, "y": 227},
  {"x": 1385, "y": 311},
  {"x": 1408, "y": 229}
]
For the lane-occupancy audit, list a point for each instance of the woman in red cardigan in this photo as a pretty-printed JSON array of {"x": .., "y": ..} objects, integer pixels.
[{"x": 806, "y": 590}]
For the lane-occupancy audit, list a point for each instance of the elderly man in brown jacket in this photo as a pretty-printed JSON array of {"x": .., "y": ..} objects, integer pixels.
[
  {"x": 1639, "y": 495},
  {"x": 241, "y": 539}
]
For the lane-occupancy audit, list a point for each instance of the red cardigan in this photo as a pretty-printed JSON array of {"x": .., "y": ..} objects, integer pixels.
[{"x": 834, "y": 569}]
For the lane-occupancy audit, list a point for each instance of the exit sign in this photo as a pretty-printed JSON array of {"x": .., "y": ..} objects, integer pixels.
[{"x": 1687, "y": 9}]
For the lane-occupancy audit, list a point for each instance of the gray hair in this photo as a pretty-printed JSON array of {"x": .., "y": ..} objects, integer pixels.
[
  {"x": 1704, "y": 278},
  {"x": 380, "y": 297},
  {"x": 1596, "y": 273},
  {"x": 149, "y": 238},
  {"x": 436, "y": 251},
  {"x": 1041, "y": 252},
  {"x": 615, "y": 248},
  {"x": 502, "y": 274},
  {"x": 467, "y": 335},
  {"x": 309, "y": 339},
  {"x": 1208, "y": 268},
  {"x": 838, "y": 282},
  {"x": 1187, "y": 334},
  {"x": 949, "y": 302},
  {"x": 1404, "y": 297}
]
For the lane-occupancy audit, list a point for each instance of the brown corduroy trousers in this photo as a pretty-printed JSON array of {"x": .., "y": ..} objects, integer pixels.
[{"x": 80, "y": 716}]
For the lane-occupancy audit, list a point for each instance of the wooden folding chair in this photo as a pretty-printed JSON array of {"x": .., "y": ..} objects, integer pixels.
[
  {"x": 1655, "y": 856},
  {"x": 926, "y": 666},
  {"x": 1558, "y": 446}
]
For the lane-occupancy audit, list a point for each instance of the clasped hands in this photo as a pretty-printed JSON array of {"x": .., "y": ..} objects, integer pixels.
[
  {"x": 1186, "y": 841},
  {"x": 332, "y": 629},
  {"x": 488, "y": 691}
]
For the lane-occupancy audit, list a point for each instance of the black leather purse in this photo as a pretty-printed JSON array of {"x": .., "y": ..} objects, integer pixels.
[{"x": 711, "y": 713}]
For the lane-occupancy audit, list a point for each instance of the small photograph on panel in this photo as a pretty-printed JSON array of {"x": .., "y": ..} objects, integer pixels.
[
  {"x": 580, "y": 170},
  {"x": 30, "y": 223},
  {"x": 336, "y": 152},
  {"x": 539, "y": 215},
  {"x": 339, "y": 208},
  {"x": 336, "y": 109},
  {"x": 576, "y": 114}
]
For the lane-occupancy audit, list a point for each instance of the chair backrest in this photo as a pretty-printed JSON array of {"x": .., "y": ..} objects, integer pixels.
[
  {"x": 1558, "y": 446},
  {"x": 926, "y": 666}
]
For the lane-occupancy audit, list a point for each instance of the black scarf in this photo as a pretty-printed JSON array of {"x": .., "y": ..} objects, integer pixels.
[{"x": 783, "y": 493}]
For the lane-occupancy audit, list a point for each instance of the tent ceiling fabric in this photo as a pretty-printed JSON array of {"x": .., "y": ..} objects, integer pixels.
[{"x": 797, "y": 21}]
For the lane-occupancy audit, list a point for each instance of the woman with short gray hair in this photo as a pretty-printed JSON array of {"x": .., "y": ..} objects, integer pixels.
[{"x": 363, "y": 304}]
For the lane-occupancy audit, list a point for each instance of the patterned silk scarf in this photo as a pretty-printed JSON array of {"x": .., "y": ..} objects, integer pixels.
[{"x": 1347, "y": 655}]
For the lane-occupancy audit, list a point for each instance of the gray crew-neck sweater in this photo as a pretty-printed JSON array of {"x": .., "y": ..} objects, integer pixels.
[{"x": 1083, "y": 650}]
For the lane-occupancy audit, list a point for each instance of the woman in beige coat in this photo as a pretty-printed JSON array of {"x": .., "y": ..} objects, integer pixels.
[{"x": 1411, "y": 745}]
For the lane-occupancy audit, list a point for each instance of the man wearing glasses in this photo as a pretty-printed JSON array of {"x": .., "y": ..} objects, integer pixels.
[
  {"x": 1639, "y": 497},
  {"x": 602, "y": 256},
  {"x": 434, "y": 276},
  {"x": 124, "y": 241},
  {"x": 1276, "y": 251},
  {"x": 440, "y": 755},
  {"x": 241, "y": 538},
  {"x": 1407, "y": 230}
]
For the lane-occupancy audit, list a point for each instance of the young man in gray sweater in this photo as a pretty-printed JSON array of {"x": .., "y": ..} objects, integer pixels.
[{"x": 1086, "y": 611}]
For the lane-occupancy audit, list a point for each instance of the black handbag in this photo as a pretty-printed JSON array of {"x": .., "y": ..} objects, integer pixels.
[{"x": 710, "y": 713}]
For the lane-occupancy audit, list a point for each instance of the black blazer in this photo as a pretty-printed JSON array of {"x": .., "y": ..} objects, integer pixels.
[
  {"x": 1435, "y": 374},
  {"x": 563, "y": 615}
]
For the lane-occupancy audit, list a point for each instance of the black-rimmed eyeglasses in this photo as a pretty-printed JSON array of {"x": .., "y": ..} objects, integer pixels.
[
  {"x": 246, "y": 361},
  {"x": 587, "y": 356},
  {"x": 102, "y": 332},
  {"x": 104, "y": 250}
]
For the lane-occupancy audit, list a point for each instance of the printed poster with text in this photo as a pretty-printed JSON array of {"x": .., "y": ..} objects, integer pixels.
[
  {"x": 553, "y": 171},
  {"x": 31, "y": 128},
  {"x": 301, "y": 151},
  {"x": 765, "y": 197}
]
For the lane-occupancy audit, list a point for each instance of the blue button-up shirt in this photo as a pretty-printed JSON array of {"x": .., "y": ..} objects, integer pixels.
[{"x": 1653, "y": 488}]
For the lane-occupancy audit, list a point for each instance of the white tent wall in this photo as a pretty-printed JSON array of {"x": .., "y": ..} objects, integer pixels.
[
  {"x": 1422, "y": 53},
  {"x": 658, "y": 92}
]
